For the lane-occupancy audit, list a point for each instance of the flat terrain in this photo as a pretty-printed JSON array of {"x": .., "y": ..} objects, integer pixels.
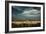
[{"x": 25, "y": 23}]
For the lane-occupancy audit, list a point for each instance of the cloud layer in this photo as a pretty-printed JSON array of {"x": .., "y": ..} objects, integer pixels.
[{"x": 26, "y": 13}]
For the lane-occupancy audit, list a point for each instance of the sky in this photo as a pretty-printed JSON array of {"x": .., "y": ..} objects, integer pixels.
[{"x": 25, "y": 12}]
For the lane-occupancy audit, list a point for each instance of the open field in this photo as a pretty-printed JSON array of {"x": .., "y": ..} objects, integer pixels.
[{"x": 25, "y": 23}]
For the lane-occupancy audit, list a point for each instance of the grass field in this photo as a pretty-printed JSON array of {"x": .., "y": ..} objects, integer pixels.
[{"x": 25, "y": 23}]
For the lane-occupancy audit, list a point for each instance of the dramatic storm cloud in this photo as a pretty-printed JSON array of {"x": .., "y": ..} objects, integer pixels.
[{"x": 21, "y": 12}]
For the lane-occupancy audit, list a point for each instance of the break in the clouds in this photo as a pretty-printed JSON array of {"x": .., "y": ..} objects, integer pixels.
[{"x": 23, "y": 12}]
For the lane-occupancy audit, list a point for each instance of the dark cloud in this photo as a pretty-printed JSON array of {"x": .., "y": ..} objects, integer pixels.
[{"x": 22, "y": 12}]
